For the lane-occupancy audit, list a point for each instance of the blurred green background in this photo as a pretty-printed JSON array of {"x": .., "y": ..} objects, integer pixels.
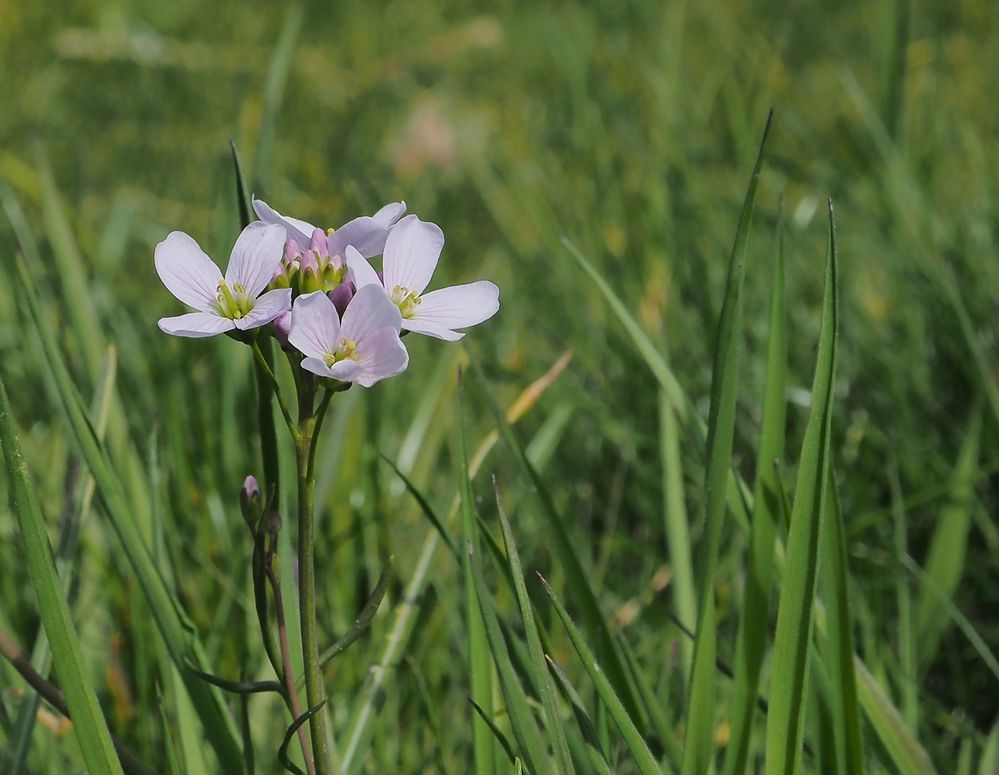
[{"x": 630, "y": 128}]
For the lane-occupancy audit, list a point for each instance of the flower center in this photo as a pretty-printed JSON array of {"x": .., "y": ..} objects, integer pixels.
[
  {"x": 406, "y": 300},
  {"x": 233, "y": 304},
  {"x": 346, "y": 351}
]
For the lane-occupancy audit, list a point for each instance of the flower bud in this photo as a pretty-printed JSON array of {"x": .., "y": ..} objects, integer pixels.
[
  {"x": 249, "y": 502},
  {"x": 318, "y": 243},
  {"x": 341, "y": 296},
  {"x": 282, "y": 327}
]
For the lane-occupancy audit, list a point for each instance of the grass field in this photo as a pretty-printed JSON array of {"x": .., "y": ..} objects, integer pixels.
[{"x": 799, "y": 464}]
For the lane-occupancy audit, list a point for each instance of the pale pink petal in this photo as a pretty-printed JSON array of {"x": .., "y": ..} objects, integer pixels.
[
  {"x": 459, "y": 306},
  {"x": 317, "y": 366},
  {"x": 255, "y": 257},
  {"x": 369, "y": 310},
  {"x": 363, "y": 272},
  {"x": 411, "y": 254},
  {"x": 381, "y": 354},
  {"x": 315, "y": 326},
  {"x": 187, "y": 272},
  {"x": 268, "y": 307},
  {"x": 390, "y": 213},
  {"x": 296, "y": 230},
  {"x": 196, "y": 325},
  {"x": 346, "y": 370}
]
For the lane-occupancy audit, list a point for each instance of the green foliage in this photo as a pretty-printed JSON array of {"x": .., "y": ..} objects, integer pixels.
[{"x": 591, "y": 159}]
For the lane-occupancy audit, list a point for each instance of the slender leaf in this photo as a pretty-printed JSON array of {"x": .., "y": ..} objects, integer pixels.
[
  {"x": 789, "y": 669},
  {"x": 88, "y": 719},
  {"x": 698, "y": 753}
]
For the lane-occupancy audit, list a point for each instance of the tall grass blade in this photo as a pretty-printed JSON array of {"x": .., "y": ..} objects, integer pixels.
[
  {"x": 754, "y": 629},
  {"x": 948, "y": 546},
  {"x": 177, "y": 631},
  {"x": 577, "y": 578},
  {"x": 88, "y": 719},
  {"x": 836, "y": 643},
  {"x": 479, "y": 664},
  {"x": 699, "y": 744},
  {"x": 636, "y": 745},
  {"x": 789, "y": 669},
  {"x": 553, "y": 719},
  {"x": 525, "y": 728}
]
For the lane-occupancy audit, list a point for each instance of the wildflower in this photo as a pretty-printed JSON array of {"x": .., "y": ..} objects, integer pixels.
[
  {"x": 235, "y": 302},
  {"x": 367, "y": 233},
  {"x": 412, "y": 251},
  {"x": 363, "y": 348}
]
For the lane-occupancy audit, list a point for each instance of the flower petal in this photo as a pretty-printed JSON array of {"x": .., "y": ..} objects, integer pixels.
[
  {"x": 411, "y": 254},
  {"x": 459, "y": 306},
  {"x": 363, "y": 272},
  {"x": 345, "y": 371},
  {"x": 369, "y": 310},
  {"x": 315, "y": 326},
  {"x": 390, "y": 213},
  {"x": 196, "y": 325},
  {"x": 187, "y": 272},
  {"x": 255, "y": 257},
  {"x": 266, "y": 308},
  {"x": 381, "y": 354},
  {"x": 317, "y": 366},
  {"x": 296, "y": 230}
]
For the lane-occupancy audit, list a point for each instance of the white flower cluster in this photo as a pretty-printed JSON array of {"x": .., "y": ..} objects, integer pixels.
[{"x": 320, "y": 292}]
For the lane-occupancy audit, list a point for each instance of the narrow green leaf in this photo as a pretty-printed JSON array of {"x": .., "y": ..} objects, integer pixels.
[
  {"x": 636, "y": 745},
  {"x": 480, "y": 667},
  {"x": 553, "y": 718},
  {"x": 578, "y": 579},
  {"x": 500, "y": 737},
  {"x": 525, "y": 728},
  {"x": 427, "y": 510},
  {"x": 177, "y": 631},
  {"x": 836, "y": 640},
  {"x": 88, "y": 719},
  {"x": 905, "y": 751},
  {"x": 594, "y": 749},
  {"x": 945, "y": 558},
  {"x": 754, "y": 629},
  {"x": 242, "y": 197},
  {"x": 699, "y": 744},
  {"x": 789, "y": 668}
]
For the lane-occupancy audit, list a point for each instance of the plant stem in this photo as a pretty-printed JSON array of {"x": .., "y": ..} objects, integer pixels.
[
  {"x": 268, "y": 372},
  {"x": 314, "y": 688}
]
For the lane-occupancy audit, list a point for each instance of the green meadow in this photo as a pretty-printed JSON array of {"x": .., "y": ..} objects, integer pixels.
[{"x": 714, "y": 491}]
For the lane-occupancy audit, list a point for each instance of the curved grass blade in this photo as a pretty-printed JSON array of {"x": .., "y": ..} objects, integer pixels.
[
  {"x": 237, "y": 687},
  {"x": 636, "y": 745},
  {"x": 525, "y": 728},
  {"x": 178, "y": 633},
  {"x": 363, "y": 620},
  {"x": 242, "y": 197},
  {"x": 792, "y": 641},
  {"x": 578, "y": 579},
  {"x": 289, "y": 734},
  {"x": 427, "y": 509},
  {"x": 500, "y": 737},
  {"x": 553, "y": 719},
  {"x": 594, "y": 751},
  {"x": 698, "y": 753},
  {"x": 88, "y": 719},
  {"x": 754, "y": 625}
]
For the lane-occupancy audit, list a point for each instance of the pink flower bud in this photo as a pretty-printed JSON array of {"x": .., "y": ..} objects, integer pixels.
[
  {"x": 249, "y": 502},
  {"x": 318, "y": 243},
  {"x": 282, "y": 327},
  {"x": 341, "y": 296}
]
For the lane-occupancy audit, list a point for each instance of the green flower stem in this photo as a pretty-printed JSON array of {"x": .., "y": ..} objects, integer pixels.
[
  {"x": 268, "y": 372},
  {"x": 308, "y": 422}
]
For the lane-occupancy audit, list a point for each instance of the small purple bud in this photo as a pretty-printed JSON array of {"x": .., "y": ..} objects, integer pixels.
[
  {"x": 291, "y": 251},
  {"x": 309, "y": 262},
  {"x": 249, "y": 502},
  {"x": 318, "y": 243},
  {"x": 282, "y": 327},
  {"x": 341, "y": 296}
]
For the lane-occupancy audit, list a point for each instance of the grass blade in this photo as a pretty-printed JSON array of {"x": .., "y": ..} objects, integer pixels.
[
  {"x": 553, "y": 718},
  {"x": 636, "y": 745},
  {"x": 480, "y": 667},
  {"x": 797, "y": 597},
  {"x": 177, "y": 632},
  {"x": 699, "y": 739},
  {"x": 754, "y": 630},
  {"x": 578, "y": 579},
  {"x": 88, "y": 719}
]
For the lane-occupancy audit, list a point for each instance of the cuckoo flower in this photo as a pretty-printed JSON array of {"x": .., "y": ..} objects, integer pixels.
[
  {"x": 363, "y": 348},
  {"x": 412, "y": 250},
  {"x": 367, "y": 233},
  {"x": 236, "y": 301}
]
